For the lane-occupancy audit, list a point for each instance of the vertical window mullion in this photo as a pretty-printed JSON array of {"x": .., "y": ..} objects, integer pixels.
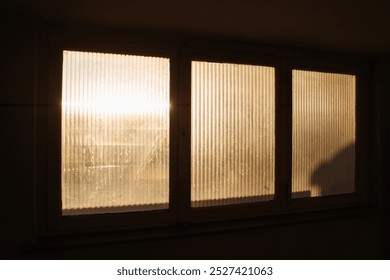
[
  {"x": 173, "y": 142},
  {"x": 283, "y": 134},
  {"x": 183, "y": 136}
]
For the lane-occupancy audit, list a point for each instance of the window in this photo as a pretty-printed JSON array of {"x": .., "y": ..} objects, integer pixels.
[
  {"x": 323, "y": 149},
  {"x": 115, "y": 140},
  {"x": 233, "y": 133},
  {"x": 144, "y": 136}
]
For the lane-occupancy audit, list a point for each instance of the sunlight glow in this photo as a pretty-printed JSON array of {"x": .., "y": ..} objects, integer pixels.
[
  {"x": 123, "y": 105},
  {"x": 115, "y": 133}
]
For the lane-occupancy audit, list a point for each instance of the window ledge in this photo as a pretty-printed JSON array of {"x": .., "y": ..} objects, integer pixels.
[{"x": 189, "y": 229}]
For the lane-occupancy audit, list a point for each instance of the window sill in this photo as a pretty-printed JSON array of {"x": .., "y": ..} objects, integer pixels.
[{"x": 72, "y": 240}]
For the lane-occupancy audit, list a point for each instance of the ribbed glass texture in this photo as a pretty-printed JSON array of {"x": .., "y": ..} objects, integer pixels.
[
  {"x": 115, "y": 140},
  {"x": 232, "y": 133},
  {"x": 323, "y": 151}
]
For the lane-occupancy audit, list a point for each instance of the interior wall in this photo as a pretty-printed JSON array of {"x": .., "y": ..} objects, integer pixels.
[
  {"x": 382, "y": 144},
  {"x": 347, "y": 237},
  {"x": 17, "y": 88}
]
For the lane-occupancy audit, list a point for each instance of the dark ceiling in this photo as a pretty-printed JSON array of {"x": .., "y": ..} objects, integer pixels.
[{"x": 342, "y": 25}]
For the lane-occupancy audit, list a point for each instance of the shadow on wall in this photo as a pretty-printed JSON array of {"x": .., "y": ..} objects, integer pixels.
[{"x": 337, "y": 175}]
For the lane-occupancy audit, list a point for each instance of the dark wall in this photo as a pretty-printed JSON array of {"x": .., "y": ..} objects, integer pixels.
[
  {"x": 356, "y": 236},
  {"x": 352, "y": 238},
  {"x": 383, "y": 142},
  {"x": 17, "y": 87}
]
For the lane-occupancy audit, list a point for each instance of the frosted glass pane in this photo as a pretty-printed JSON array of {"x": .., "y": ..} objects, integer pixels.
[
  {"x": 115, "y": 141},
  {"x": 233, "y": 137},
  {"x": 323, "y": 134}
]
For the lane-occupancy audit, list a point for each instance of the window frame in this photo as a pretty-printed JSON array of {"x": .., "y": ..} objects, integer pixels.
[
  {"x": 359, "y": 69},
  {"x": 284, "y": 64},
  {"x": 222, "y": 212},
  {"x": 181, "y": 53},
  {"x": 55, "y": 220}
]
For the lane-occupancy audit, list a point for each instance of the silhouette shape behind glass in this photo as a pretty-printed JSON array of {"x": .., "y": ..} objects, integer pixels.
[
  {"x": 336, "y": 176},
  {"x": 323, "y": 129}
]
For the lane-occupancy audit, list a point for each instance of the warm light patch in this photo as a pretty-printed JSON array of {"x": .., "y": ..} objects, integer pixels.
[
  {"x": 115, "y": 133},
  {"x": 118, "y": 105},
  {"x": 233, "y": 133},
  {"x": 323, "y": 133}
]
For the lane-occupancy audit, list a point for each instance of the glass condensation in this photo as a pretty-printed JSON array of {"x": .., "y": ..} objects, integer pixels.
[
  {"x": 233, "y": 138},
  {"x": 323, "y": 134},
  {"x": 115, "y": 133}
]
